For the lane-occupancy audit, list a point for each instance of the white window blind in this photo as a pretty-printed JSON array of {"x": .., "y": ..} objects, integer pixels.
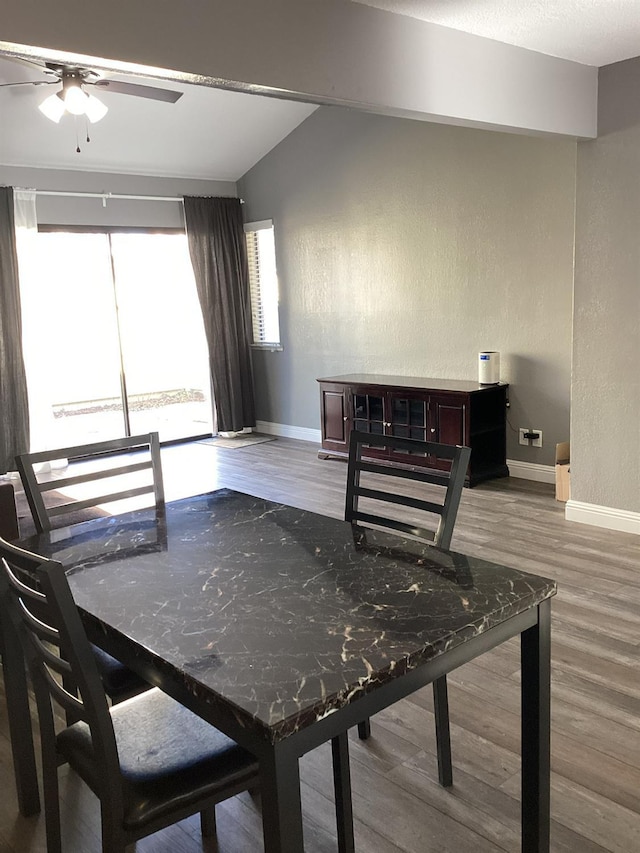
[{"x": 263, "y": 283}]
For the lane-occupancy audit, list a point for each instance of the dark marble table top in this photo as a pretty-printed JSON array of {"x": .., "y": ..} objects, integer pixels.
[{"x": 277, "y": 611}]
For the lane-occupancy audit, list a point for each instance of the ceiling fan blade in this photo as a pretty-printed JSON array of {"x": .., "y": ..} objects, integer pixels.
[
  {"x": 30, "y": 83},
  {"x": 151, "y": 92},
  {"x": 24, "y": 62}
]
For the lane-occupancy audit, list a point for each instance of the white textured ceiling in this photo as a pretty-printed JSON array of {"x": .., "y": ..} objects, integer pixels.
[
  {"x": 592, "y": 32},
  {"x": 210, "y": 134}
]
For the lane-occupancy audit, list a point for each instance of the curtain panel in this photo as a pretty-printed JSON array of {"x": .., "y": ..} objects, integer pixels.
[
  {"x": 219, "y": 257},
  {"x": 14, "y": 411}
]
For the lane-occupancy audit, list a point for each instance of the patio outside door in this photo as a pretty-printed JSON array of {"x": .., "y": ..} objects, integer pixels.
[{"x": 114, "y": 340}]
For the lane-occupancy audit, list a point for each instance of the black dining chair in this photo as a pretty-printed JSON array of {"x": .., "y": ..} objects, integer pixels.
[
  {"x": 107, "y": 469},
  {"x": 149, "y": 760},
  {"x": 386, "y": 483}
]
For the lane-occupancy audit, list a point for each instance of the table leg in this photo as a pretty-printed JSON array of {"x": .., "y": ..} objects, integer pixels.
[
  {"x": 342, "y": 787},
  {"x": 536, "y": 722},
  {"x": 443, "y": 736},
  {"x": 19, "y": 716},
  {"x": 281, "y": 808},
  {"x": 364, "y": 729}
]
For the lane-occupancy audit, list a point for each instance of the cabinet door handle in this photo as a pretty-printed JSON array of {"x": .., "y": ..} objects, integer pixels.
[
  {"x": 433, "y": 429},
  {"x": 346, "y": 418}
]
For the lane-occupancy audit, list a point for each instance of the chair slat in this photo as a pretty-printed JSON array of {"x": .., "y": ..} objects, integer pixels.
[
  {"x": 90, "y": 476},
  {"x": 38, "y": 626},
  {"x": 21, "y": 587},
  {"x": 95, "y": 448},
  {"x": 393, "y": 524},
  {"x": 402, "y": 500},
  {"x": 73, "y": 506},
  {"x": 404, "y": 473},
  {"x": 66, "y": 700},
  {"x": 51, "y": 659},
  {"x": 419, "y": 448}
]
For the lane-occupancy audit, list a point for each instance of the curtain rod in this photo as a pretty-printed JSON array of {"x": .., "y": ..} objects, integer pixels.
[{"x": 106, "y": 196}]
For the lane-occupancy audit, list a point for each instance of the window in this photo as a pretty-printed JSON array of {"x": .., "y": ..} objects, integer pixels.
[{"x": 263, "y": 284}]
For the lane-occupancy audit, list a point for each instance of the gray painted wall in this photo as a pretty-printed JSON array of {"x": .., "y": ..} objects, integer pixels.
[
  {"x": 60, "y": 210},
  {"x": 405, "y": 247},
  {"x": 605, "y": 421}
]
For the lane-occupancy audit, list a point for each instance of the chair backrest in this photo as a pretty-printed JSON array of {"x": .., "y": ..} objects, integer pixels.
[
  {"x": 35, "y": 597},
  {"x": 398, "y": 478},
  {"x": 145, "y": 458}
]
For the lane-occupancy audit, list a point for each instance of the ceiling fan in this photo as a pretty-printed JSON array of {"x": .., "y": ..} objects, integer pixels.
[{"x": 74, "y": 99}]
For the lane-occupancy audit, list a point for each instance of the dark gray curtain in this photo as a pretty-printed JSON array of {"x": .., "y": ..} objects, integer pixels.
[
  {"x": 14, "y": 411},
  {"x": 219, "y": 258}
]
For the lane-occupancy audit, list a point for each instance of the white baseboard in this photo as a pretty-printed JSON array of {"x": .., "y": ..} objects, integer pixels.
[
  {"x": 286, "y": 431},
  {"x": 531, "y": 471},
  {"x": 603, "y": 516}
]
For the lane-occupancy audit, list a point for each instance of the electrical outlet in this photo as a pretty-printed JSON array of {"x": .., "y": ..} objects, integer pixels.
[
  {"x": 537, "y": 442},
  {"x": 523, "y": 432}
]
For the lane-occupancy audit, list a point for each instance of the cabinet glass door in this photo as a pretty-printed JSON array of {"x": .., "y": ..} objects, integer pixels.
[
  {"x": 409, "y": 420},
  {"x": 368, "y": 413}
]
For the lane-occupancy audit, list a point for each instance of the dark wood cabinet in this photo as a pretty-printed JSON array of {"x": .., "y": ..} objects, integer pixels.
[{"x": 449, "y": 412}]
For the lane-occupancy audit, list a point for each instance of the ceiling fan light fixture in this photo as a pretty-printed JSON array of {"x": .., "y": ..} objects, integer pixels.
[
  {"x": 95, "y": 109},
  {"x": 53, "y": 108},
  {"x": 75, "y": 100}
]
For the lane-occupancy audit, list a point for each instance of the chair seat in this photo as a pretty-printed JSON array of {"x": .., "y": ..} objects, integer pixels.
[
  {"x": 118, "y": 680},
  {"x": 169, "y": 757}
]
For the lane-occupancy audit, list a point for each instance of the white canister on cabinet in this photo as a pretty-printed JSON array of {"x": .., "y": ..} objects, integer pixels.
[{"x": 489, "y": 368}]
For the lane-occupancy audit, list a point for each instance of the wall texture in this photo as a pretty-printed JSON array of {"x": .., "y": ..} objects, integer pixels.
[
  {"x": 605, "y": 419},
  {"x": 61, "y": 210},
  {"x": 406, "y": 247}
]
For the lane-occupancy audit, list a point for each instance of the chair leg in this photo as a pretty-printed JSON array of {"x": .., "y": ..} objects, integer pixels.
[
  {"x": 364, "y": 729},
  {"x": 51, "y": 799},
  {"x": 114, "y": 839},
  {"x": 208, "y": 822},
  {"x": 443, "y": 736},
  {"x": 18, "y": 713}
]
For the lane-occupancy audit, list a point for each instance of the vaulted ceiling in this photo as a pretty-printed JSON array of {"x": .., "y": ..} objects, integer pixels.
[{"x": 214, "y": 134}]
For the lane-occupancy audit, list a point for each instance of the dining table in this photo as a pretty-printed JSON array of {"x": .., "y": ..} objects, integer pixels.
[{"x": 284, "y": 628}]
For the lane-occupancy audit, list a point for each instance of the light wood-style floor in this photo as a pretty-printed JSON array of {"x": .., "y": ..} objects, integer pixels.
[{"x": 399, "y": 807}]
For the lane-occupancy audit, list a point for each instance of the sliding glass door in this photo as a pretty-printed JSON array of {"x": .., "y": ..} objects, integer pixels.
[
  {"x": 114, "y": 340},
  {"x": 164, "y": 350}
]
